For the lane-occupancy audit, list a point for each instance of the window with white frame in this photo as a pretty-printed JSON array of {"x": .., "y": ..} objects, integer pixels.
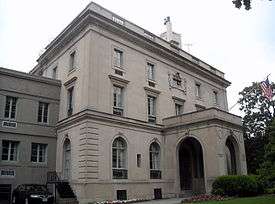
[
  {"x": 70, "y": 102},
  {"x": 118, "y": 58},
  {"x": 151, "y": 102},
  {"x": 151, "y": 71},
  {"x": 119, "y": 159},
  {"x": 72, "y": 61},
  {"x": 9, "y": 150},
  {"x": 10, "y": 107},
  {"x": 38, "y": 152},
  {"x": 117, "y": 100},
  {"x": 155, "y": 172},
  {"x": 178, "y": 108},
  {"x": 43, "y": 112},
  {"x": 198, "y": 90}
]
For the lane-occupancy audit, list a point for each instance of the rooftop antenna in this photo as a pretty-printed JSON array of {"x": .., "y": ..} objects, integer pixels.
[{"x": 168, "y": 24}]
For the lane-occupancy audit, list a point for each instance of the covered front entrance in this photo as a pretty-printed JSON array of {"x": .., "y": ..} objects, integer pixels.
[{"x": 191, "y": 170}]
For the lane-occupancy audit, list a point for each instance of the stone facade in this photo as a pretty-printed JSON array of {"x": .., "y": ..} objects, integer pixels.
[{"x": 138, "y": 116}]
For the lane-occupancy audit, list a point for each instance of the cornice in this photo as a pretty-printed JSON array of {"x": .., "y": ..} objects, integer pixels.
[
  {"x": 106, "y": 117},
  {"x": 90, "y": 17},
  {"x": 23, "y": 75}
]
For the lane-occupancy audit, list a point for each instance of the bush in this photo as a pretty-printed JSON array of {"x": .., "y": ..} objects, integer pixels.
[{"x": 237, "y": 186}]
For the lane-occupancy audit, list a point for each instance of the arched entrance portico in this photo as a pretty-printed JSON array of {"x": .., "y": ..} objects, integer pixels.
[
  {"x": 231, "y": 152},
  {"x": 191, "y": 169}
]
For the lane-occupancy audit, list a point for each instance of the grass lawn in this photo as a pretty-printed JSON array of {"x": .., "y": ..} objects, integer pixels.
[{"x": 268, "y": 199}]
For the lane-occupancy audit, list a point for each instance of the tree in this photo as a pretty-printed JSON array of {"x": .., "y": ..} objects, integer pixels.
[
  {"x": 246, "y": 3},
  {"x": 259, "y": 112},
  {"x": 267, "y": 171}
]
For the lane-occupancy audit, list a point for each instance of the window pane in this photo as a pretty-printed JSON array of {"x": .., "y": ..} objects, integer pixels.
[
  {"x": 13, "y": 107},
  {"x": 45, "y": 116},
  {"x": 40, "y": 108},
  {"x": 34, "y": 152},
  {"x": 7, "y": 107},
  {"x": 151, "y": 71},
  {"x": 118, "y": 57}
]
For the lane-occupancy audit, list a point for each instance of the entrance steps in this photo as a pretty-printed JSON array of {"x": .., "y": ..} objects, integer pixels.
[
  {"x": 185, "y": 194},
  {"x": 67, "y": 201}
]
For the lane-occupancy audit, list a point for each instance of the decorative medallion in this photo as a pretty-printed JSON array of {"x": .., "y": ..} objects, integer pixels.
[{"x": 175, "y": 81}]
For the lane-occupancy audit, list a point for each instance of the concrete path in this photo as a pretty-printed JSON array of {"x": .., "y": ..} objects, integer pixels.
[{"x": 163, "y": 201}]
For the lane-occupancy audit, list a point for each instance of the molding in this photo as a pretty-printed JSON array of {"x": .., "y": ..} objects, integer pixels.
[
  {"x": 90, "y": 17},
  {"x": 151, "y": 91},
  {"x": 177, "y": 99},
  {"x": 118, "y": 81},
  {"x": 106, "y": 117},
  {"x": 26, "y": 76},
  {"x": 70, "y": 81}
]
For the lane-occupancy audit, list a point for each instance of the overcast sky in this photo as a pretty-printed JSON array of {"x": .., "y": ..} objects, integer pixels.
[{"x": 238, "y": 42}]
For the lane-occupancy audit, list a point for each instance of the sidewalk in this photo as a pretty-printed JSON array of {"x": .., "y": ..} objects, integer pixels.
[{"x": 163, "y": 201}]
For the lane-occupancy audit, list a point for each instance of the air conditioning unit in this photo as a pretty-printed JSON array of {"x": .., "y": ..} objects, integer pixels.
[{"x": 9, "y": 124}]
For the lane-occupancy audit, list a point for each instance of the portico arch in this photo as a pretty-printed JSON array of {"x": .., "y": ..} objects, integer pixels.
[
  {"x": 191, "y": 167},
  {"x": 231, "y": 156}
]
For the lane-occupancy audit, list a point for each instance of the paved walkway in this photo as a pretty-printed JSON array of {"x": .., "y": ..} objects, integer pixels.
[{"x": 163, "y": 201}]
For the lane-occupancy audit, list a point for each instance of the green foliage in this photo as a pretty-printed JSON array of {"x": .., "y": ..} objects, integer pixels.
[
  {"x": 259, "y": 112},
  {"x": 246, "y": 3},
  {"x": 236, "y": 186},
  {"x": 267, "y": 170},
  {"x": 267, "y": 199}
]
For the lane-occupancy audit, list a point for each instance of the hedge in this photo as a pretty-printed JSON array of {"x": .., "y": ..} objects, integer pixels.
[{"x": 235, "y": 185}]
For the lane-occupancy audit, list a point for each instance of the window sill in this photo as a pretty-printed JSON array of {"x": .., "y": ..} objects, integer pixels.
[
  {"x": 39, "y": 163},
  {"x": 10, "y": 163},
  {"x": 120, "y": 68}
]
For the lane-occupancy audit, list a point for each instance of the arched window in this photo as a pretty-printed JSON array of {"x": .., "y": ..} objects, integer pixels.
[
  {"x": 154, "y": 151},
  {"x": 67, "y": 159},
  {"x": 119, "y": 157},
  {"x": 230, "y": 155}
]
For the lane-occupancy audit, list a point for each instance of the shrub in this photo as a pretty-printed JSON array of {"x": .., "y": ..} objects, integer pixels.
[
  {"x": 200, "y": 198},
  {"x": 237, "y": 186}
]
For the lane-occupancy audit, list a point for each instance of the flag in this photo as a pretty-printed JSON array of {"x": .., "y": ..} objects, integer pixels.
[{"x": 266, "y": 89}]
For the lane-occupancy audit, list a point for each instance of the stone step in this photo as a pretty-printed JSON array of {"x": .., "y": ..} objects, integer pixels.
[{"x": 67, "y": 201}]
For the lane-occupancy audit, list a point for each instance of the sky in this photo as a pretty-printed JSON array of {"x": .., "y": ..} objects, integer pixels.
[{"x": 240, "y": 43}]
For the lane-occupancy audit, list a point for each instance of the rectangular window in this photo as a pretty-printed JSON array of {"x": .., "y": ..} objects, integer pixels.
[
  {"x": 151, "y": 71},
  {"x": 43, "y": 112},
  {"x": 10, "y": 107},
  {"x": 198, "y": 91},
  {"x": 72, "y": 60},
  {"x": 121, "y": 194},
  {"x": 70, "y": 101},
  {"x": 54, "y": 73},
  {"x": 215, "y": 96},
  {"x": 178, "y": 108},
  {"x": 38, "y": 153},
  {"x": 138, "y": 160},
  {"x": 9, "y": 150},
  {"x": 118, "y": 58},
  {"x": 118, "y": 101},
  {"x": 151, "y": 109}
]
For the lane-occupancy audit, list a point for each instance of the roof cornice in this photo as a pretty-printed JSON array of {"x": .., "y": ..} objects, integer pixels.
[
  {"x": 23, "y": 75},
  {"x": 89, "y": 17}
]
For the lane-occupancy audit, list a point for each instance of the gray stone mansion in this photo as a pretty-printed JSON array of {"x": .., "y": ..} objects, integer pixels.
[{"x": 118, "y": 113}]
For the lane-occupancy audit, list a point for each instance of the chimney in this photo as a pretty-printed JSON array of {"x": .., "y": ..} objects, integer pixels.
[{"x": 169, "y": 35}]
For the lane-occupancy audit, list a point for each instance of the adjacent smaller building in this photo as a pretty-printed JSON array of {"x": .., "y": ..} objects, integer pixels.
[{"x": 28, "y": 113}]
